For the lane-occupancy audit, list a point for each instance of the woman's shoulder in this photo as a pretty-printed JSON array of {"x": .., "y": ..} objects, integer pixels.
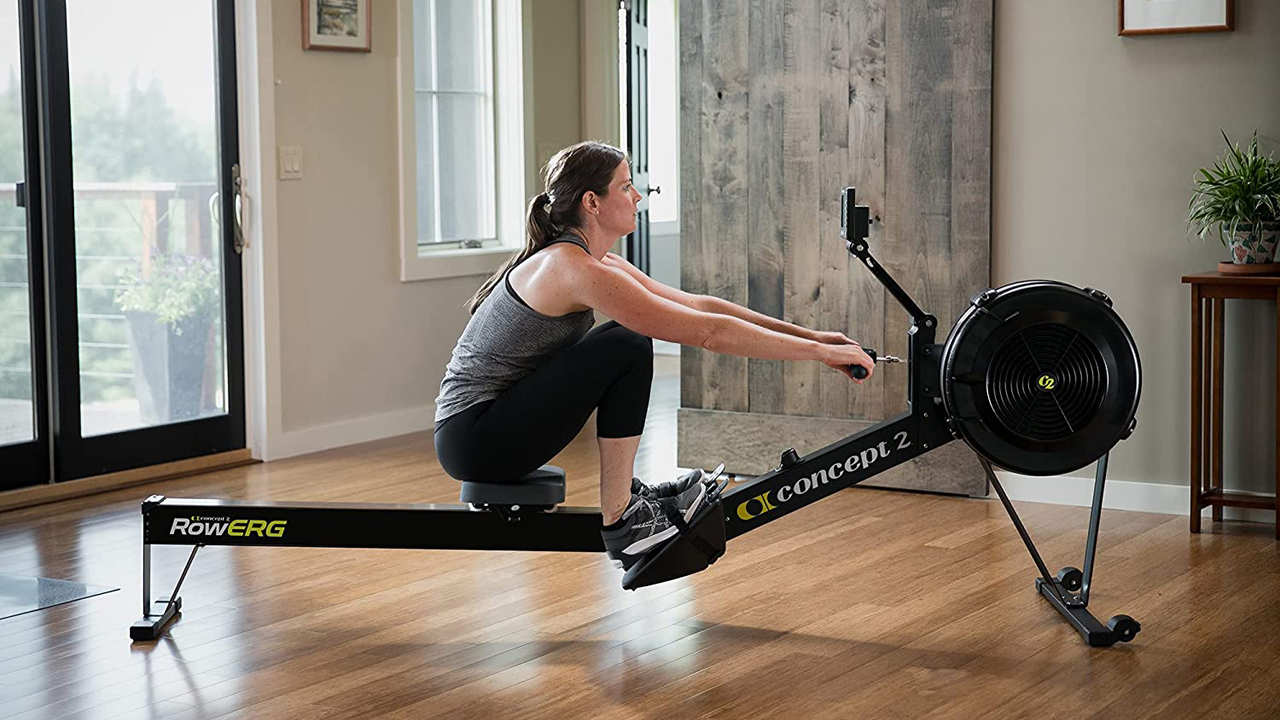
[
  {"x": 546, "y": 280},
  {"x": 566, "y": 257}
]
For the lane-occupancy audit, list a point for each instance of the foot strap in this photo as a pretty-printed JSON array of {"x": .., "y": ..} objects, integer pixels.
[{"x": 682, "y": 528}]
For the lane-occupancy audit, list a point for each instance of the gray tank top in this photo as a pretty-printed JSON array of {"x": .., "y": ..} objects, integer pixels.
[{"x": 504, "y": 341}]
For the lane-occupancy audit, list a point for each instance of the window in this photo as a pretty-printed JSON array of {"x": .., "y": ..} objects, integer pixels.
[
  {"x": 453, "y": 114},
  {"x": 461, "y": 124}
]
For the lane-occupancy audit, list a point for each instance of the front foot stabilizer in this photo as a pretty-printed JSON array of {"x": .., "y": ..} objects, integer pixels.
[
  {"x": 152, "y": 626},
  {"x": 1120, "y": 628}
]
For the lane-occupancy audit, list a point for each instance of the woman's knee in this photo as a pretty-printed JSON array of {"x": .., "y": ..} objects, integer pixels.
[{"x": 628, "y": 343}]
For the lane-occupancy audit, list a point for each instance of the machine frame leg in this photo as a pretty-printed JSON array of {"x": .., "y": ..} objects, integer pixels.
[
  {"x": 153, "y": 623},
  {"x": 1060, "y": 590}
]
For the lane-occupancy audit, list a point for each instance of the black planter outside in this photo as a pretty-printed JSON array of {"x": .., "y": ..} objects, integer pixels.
[{"x": 168, "y": 365}]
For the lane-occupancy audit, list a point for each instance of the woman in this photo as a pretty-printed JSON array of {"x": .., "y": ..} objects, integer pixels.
[{"x": 529, "y": 369}]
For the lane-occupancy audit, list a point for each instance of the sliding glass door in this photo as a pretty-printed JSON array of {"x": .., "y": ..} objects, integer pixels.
[
  {"x": 23, "y": 409},
  {"x": 137, "y": 147}
]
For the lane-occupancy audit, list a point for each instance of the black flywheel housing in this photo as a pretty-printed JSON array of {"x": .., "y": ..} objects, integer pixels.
[{"x": 1040, "y": 377}]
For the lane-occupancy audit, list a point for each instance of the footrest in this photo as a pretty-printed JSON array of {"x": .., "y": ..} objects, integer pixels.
[
  {"x": 686, "y": 554},
  {"x": 544, "y": 486}
]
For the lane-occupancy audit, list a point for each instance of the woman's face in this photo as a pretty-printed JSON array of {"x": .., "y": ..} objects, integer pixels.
[{"x": 616, "y": 211}]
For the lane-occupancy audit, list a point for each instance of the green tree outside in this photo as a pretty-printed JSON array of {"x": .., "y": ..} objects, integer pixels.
[{"x": 132, "y": 136}]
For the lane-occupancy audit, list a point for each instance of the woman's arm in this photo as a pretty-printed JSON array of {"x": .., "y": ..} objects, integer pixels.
[
  {"x": 624, "y": 298},
  {"x": 617, "y": 293},
  {"x": 708, "y": 303},
  {"x": 712, "y": 304}
]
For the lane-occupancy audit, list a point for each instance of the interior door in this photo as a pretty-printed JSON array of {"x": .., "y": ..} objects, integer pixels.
[
  {"x": 785, "y": 104},
  {"x": 637, "y": 112}
]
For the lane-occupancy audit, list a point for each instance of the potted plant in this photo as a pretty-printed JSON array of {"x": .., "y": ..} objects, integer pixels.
[
  {"x": 1239, "y": 199},
  {"x": 170, "y": 311}
]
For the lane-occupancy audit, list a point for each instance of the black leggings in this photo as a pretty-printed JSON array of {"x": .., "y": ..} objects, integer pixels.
[{"x": 611, "y": 368}]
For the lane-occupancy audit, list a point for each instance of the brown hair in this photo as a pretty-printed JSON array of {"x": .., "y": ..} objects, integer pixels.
[{"x": 570, "y": 174}]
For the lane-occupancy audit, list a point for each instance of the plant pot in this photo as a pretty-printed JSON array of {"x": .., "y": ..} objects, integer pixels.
[
  {"x": 1254, "y": 244},
  {"x": 168, "y": 365}
]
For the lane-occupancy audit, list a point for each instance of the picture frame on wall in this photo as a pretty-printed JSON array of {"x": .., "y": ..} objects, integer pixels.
[
  {"x": 336, "y": 25},
  {"x": 1161, "y": 17}
]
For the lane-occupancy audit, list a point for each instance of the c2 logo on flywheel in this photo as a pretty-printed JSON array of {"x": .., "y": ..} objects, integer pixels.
[{"x": 1047, "y": 382}]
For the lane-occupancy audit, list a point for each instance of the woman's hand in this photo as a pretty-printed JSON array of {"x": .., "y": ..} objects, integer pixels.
[{"x": 843, "y": 354}]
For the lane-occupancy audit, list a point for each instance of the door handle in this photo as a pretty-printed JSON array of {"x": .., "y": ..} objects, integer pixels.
[
  {"x": 20, "y": 195},
  {"x": 240, "y": 204}
]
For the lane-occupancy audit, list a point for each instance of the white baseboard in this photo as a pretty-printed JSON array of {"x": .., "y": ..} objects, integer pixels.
[
  {"x": 1117, "y": 495},
  {"x": 350, "y": 432}
]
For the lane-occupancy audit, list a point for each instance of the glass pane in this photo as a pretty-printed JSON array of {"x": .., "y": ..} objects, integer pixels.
[
  {"x": 17, "y": 421},
  {"x": 426, "y": 140},
  {"x": 148, "y": 254},
  {"x": 466, "y": 152},
  {"x": 423, "y": 62},
  {"x": 461, "y": 43}
]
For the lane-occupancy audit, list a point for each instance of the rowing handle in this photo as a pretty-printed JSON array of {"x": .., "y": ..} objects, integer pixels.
[{"x": 857, "y": 370}]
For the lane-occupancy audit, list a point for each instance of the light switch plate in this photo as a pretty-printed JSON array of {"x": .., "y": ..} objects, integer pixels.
[{"x": 290, "y": 162}]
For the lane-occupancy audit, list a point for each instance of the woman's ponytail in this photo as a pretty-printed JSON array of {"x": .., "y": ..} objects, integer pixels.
[
  {"x": 538, "y": 226},
  {"x": 539, "y": 231}
]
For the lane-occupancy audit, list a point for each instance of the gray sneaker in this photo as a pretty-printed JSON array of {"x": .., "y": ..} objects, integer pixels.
[
  {"x": 648, "y": 522},
  {"x": 672, "y": 488}
]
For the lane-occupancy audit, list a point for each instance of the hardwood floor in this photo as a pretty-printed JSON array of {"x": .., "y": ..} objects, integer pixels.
[{"x": 871, "y": 604}]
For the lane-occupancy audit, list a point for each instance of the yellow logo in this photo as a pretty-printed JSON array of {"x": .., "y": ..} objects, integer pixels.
[
  {"x": 765, "y": 506},
  {"x": 1047, "y": 382}
]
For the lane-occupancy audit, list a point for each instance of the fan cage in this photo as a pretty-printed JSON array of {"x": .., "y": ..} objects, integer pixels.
[{"x": 1046, "y": 382}]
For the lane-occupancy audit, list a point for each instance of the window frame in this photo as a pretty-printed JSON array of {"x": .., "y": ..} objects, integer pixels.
[{"x": 508, "y": 171}]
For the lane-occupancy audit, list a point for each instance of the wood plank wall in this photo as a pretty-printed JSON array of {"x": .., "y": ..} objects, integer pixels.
[{"x": 782, "y": 104}]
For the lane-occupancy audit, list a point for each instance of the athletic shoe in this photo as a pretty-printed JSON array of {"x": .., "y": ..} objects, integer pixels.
[
  {"x": 647, "y": 522},
  {"x": 672, "y": 488}
]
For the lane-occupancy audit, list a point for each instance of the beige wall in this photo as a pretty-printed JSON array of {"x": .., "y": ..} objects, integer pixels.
[
  {"x": 1096, "y": 140},
  {"x": 355, "y": 342},
  {"x": 557, "y": 92}
]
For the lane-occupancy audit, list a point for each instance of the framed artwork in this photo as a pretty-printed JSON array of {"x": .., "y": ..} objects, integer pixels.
[
  {"x": 336, "y": 25},
  {"x": 1159, "y": 17}
]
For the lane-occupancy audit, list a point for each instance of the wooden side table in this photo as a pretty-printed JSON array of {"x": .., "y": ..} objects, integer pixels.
[{"x": 1209, "y": 294}]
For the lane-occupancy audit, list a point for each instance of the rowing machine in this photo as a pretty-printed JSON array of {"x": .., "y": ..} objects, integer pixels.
[{"x": 1038, "y": 377}]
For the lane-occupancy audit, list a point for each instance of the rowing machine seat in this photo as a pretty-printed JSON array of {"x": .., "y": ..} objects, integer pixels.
[{"x": 544, "y": 486}]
